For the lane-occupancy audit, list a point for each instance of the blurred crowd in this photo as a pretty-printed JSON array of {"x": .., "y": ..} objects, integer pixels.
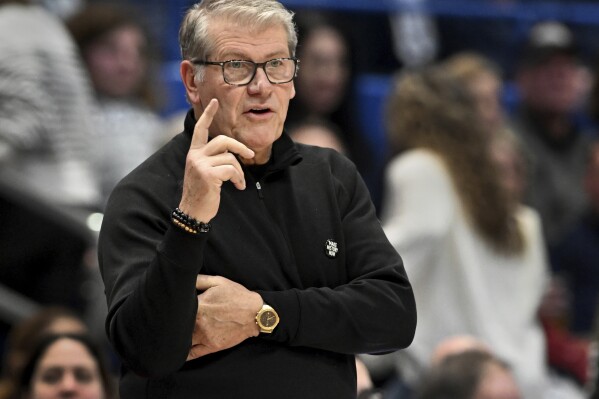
[{"x": 492, "y": 201}]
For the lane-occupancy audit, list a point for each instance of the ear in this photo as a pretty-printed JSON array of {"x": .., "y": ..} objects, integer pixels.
[
  {"x": 292, "y": 90},
  {"x": 187, "y": 71}
]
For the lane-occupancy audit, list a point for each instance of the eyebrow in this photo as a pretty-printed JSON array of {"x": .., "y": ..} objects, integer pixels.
[{"x": 241, "y": 56}]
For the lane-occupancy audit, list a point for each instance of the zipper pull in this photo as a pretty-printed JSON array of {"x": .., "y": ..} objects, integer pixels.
[{"x": 259, "y": 188}]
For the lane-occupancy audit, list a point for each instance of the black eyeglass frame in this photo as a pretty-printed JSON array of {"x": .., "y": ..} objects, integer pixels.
[{"x": 256, "y": 65}]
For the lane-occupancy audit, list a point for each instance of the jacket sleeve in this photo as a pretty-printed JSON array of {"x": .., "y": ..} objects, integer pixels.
[
  {"x": 374, "y": 311},
  {"x": 149, "y": 269}
]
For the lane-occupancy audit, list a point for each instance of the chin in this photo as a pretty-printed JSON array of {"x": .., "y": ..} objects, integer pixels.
[{"x": 260, "y": 138}]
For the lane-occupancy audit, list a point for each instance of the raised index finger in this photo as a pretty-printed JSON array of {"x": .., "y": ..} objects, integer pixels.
[{"x": 200, "y": 132}]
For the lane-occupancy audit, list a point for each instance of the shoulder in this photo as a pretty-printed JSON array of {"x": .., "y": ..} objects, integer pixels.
[{"x": 420, "y": 164}]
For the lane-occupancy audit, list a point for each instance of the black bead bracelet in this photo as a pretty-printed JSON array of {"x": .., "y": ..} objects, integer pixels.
[{"x": 189, "y": 224}]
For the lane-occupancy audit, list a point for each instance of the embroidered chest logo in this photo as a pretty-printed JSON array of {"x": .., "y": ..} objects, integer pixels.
[{"x": 331, "y": 248}]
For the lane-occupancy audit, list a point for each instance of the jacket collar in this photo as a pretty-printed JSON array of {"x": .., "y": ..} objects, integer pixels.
[{"x": 284, "y": 151}]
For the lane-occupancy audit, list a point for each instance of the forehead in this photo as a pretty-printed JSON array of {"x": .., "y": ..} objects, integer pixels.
[
  {"x": 66, "y": 353},
  {"x": 231, "y": 39}
]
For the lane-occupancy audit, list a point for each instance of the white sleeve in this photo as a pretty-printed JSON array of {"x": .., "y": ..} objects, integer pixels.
[{"x": 419, "y": 205}]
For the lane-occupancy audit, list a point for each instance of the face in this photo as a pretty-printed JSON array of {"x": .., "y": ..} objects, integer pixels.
[
  {"x": 497, "y": 383},
  {"x": 117, "y": 63},
  {"x": 556, "y": 86},
  {"x": 486, "y": 90},
  {"x": 511, "y": 169},
  {"x": 66, "y": 370},
  {"x": 253, "y": 114},
  {"x": 324, "y": 71}
]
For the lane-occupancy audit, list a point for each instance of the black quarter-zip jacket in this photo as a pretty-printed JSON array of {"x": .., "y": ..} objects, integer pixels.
[{"x": 304, "y": 236}]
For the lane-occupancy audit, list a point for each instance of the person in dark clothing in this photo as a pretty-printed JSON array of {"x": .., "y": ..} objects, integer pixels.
[
  {"x": 550, "y": 78},
  {"x": 238, "y": 263},
  {"x": 575, "y": 257}
]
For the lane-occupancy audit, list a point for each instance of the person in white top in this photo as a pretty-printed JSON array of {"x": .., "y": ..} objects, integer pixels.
[{"x": 474, "y": 255}]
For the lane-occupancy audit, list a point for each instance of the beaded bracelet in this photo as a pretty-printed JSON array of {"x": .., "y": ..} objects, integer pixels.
[{"x": 189, "y": 224}]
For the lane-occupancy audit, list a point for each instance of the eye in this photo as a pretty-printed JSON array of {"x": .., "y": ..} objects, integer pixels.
[
  {"x": 275, "y": 63},
  {"x": 52, "y": 375},
  {"x": 236, "y": 64},
  {"x": 83, "y": 375}
]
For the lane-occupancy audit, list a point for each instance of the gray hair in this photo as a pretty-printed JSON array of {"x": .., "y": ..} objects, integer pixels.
[{"x": 255, "y": 14}]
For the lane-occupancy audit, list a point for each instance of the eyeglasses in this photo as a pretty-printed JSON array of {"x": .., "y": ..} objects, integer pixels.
[{"x": 241, "y": 72}]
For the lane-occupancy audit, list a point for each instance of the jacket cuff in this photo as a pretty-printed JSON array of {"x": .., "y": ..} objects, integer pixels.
[
  {"x": 286, "y": 304},
  {"x": 182, "y": 248}
]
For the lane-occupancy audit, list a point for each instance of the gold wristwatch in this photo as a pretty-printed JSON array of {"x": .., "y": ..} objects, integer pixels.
[{"x": 267, "y": 319}]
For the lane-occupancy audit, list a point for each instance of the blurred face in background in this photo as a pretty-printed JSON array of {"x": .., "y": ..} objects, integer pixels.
[
  {"x": 66, "y": 370},
  {"x": 553, "y": 86},
  {"x": 486, "y": 90},
  {"x": 117, "y": 61},
  {"x": 324, "y": 70},
  {"x": 512, "y": 169}
]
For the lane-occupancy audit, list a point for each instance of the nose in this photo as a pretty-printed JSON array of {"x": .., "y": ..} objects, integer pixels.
[
  {"x": 260, "y": 82},
  {"x": 68, "y": 383}
]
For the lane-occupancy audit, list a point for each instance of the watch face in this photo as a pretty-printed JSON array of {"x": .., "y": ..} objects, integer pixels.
[{"x": 268, "y": 319}]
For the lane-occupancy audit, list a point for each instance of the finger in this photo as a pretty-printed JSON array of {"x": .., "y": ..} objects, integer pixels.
[
  {"x": 227, "y": 159},
  {"x": 198, "y": 351},
  {"x": 224, "y": 143},
  {"x": 204, "y": 281},
  {"x": 228, "y": 172},
  {"x": 200, "y": 131}
]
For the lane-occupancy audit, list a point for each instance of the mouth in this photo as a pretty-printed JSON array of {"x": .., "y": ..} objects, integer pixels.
[{"x": 258, "y": 111}]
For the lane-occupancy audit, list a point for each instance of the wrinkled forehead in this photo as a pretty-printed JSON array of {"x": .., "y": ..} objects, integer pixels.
[
  {"x": 227, "y": 34},
  {"x": 245, "y": 24}
]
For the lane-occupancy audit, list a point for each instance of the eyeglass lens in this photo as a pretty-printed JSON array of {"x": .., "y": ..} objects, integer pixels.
[{"x": 242, "y": 72}]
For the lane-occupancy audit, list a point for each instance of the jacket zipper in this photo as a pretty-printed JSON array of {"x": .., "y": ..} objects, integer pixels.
[{"x": 259, "y": 188}]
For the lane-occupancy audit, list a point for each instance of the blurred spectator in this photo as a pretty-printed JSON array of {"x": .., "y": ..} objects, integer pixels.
[
  {"x": 24, "y": 337},
  {"x": 116, "y": 49},
  {"x": 576, "y": 256},
  {"x": 483, "y": 80},
  {"x": 45, "y": 108},
  {"x": 455, "y": 345},
  {"x": 551, "y": 81},
  {"x": 566, "y": 354},
  {"x": 471, "y": 374},
  {"x": 66, "y": 366},
  {"x": 464, "y": 240},
  {"x": 325, "y": 85}
]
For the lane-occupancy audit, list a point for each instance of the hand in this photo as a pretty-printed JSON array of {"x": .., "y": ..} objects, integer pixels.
[
  {"x": 208, "y": 165},
  {"x": 226, "y": 315}
]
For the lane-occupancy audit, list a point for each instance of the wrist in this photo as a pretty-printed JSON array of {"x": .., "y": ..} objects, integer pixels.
[
  {"x": 186, "y": 222},
  {"x": 267, "y": 319}
]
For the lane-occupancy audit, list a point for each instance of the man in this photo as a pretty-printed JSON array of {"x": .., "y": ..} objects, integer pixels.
[
  {"x": 294, "y": 273},
  {"x": 550, "y": 81}
]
